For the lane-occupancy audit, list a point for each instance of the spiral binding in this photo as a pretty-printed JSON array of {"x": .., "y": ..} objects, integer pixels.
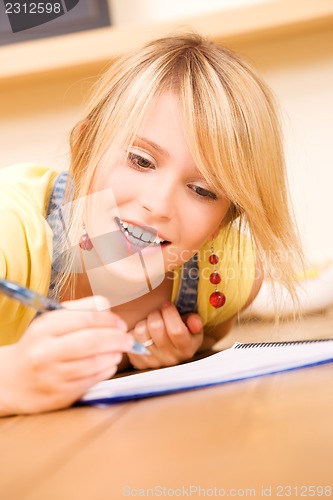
[{"x": 279, "y": 344}]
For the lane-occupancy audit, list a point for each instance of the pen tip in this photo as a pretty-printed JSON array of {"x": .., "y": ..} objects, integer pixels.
[{"x": 139, "y": 348}]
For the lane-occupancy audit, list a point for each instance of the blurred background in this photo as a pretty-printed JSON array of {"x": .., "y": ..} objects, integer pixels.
[{"x": 44, "y": 83}]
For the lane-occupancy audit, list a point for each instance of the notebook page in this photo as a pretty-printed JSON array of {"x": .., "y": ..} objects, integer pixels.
[{"x": 229, "y": 365}]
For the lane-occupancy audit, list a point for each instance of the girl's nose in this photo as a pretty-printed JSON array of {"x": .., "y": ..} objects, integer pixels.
[{"x": 160, "y": 199}]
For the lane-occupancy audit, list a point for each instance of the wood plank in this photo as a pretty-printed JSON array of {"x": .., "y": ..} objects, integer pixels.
[
  {"x": 267, "y": 431},
  {"x": 314, "y": 326},
  {"x": 32, "y": 447}
]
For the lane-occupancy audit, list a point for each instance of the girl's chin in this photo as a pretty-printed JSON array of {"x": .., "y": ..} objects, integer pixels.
[
  {"x": 122, "y": 282},
  {"x": 132, "y": 273}
]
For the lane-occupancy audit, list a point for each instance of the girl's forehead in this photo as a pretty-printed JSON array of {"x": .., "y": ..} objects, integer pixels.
[
  {"x": 162, "y": 106},
  {"x": 163, "y": 119}
]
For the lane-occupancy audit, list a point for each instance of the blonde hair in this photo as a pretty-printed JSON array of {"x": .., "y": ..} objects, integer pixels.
[{"x": 231, "y": 127}]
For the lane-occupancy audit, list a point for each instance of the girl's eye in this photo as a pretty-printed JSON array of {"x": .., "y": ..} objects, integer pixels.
[
  {"x": 140, "y": 162},
  {"x": 204, "y": 193}
]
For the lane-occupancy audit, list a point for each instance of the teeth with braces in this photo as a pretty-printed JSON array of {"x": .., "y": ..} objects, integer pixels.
[{"x": 125, "y": 226}]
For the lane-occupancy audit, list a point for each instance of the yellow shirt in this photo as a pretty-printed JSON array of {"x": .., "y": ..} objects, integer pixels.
[
  {"x": 26, "y": 253},
  {"x": 25, "y": 242}
]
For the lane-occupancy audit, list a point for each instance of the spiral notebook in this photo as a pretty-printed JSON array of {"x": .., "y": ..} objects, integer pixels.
[{"x": 240, "y": 362}]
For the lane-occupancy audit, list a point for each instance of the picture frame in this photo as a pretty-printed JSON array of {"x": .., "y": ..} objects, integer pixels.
[{"x": 51, "y": 18}]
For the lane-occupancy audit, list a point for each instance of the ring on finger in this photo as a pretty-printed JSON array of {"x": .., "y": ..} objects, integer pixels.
[{"x": 148, "y": 343}]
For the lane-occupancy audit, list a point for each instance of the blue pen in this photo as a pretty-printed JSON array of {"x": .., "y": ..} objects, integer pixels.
[{"x": 42, "y": 304}]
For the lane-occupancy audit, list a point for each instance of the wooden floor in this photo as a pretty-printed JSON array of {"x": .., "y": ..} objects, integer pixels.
[
  {"x": 268, "y": 436},
  {"x": 313, "y": 326}
]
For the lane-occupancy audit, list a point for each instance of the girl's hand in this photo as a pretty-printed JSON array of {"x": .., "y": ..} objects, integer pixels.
[
  {"x": 175, "y": 338},
  {"x": 60, "y": 356}
]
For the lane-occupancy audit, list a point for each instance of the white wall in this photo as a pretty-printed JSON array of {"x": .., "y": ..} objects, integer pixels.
[
  {"x": 300, "y": 72},
  {"x": 36, "y": 118},
  {"x": 133, "y": 11}
]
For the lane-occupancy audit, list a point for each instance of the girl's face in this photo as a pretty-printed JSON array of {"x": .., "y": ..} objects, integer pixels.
[{"x": 158, "y": 191}]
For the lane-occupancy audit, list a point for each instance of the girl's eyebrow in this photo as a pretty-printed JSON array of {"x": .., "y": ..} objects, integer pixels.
[
  {"x": 152, "y": 144},
  {"x": 159, "y": 149}
]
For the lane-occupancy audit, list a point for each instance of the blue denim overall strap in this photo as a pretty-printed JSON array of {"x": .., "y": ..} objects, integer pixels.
[
  {"x": 55, "y": 221},
  {"x": 188, "y": 289}
]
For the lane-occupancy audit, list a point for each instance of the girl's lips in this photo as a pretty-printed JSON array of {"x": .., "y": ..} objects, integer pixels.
[{"x": 140, "y": 236}]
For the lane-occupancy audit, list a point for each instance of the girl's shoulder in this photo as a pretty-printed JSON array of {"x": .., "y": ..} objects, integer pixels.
[
  {"x": 26, "y": 171},
  {"x": 26, "y": 183},
  {"x": 26, "y": 240}
]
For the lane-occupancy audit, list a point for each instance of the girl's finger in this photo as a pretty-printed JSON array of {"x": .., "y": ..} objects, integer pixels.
[
  {"x": 89, "y": 367},
  {"x": 158, "y": 332},
  {"x": 179, "y": 335},
  {"x": 92, "y": 342},
  {"x": 193, "y": 322},
  {"x": 68, "y": 321}
]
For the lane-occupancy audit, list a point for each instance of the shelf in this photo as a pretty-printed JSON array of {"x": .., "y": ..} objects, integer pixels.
[{"x": 90, "y": 51}]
